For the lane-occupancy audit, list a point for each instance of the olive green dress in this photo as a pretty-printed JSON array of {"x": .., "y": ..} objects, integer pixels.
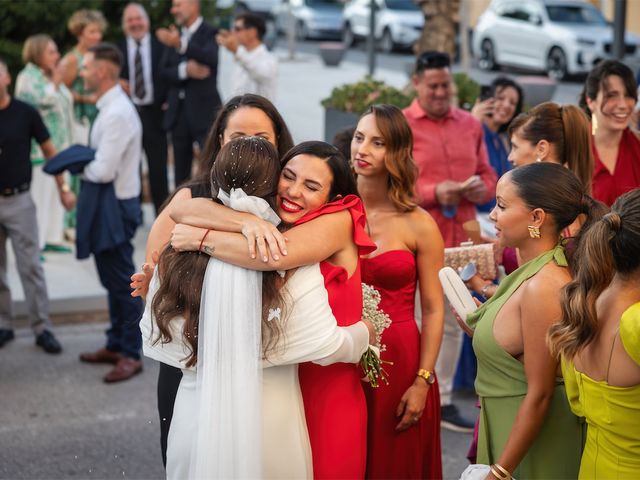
[{"x": 501, "y": 384}]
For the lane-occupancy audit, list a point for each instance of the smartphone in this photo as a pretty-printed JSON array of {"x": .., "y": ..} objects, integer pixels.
[{"x": 485, "y": 92}]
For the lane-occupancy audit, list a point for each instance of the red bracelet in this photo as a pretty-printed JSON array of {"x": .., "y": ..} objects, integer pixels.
[{"x": 203, "y": 238}]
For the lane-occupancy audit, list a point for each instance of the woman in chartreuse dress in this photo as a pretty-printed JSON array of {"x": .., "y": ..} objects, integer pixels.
[
  {"x": 599, "y": 341},
  {"x": 526, "y": 427}
]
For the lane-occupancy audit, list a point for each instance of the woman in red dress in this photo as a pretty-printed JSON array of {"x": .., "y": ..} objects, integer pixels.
[
  {"x": 610, "y": 97},
  {"x": 404, "y": 416},
  {"x": 331, "y": 233}
]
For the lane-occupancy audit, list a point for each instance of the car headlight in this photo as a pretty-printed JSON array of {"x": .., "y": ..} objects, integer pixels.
[{"x": 585, "y": 42}]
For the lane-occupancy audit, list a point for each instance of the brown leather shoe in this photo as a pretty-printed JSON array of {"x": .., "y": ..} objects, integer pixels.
[
  {"x": 101, "y": 356},
  {"x": 124, "y": 370}
]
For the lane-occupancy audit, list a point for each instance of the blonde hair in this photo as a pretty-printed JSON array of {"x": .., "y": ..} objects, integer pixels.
[
  {"x": 34, "y": 48},
  {"x": 81, "y": 18},
  {"x": 398, "y": 160}
]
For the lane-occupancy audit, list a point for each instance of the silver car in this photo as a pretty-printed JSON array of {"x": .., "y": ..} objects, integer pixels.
[
  {"x": 560, "y": 37},
  {"x": 312, "y": 18},
  {"x": 398, "y": 23}
]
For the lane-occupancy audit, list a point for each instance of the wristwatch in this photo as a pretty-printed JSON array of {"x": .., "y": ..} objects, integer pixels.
[{"x": 427, "y": 375}]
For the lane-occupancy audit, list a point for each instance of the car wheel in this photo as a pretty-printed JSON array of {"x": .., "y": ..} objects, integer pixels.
[
  {"x": 557, "y": 64},
  {"x": 487, "y": 56},
  {"x": 302, "y": 33},
  {"x": 347, "y": 36},
  {"x": 387, "y": 45}
]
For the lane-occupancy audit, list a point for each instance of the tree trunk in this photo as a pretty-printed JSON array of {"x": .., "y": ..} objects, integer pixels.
[{"x": 439, "y": 32}]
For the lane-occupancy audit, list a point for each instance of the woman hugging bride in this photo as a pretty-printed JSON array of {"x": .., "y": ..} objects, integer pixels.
[{"x": 238, "y": 336}]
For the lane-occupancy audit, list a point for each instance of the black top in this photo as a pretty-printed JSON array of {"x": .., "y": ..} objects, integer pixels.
[{"x": 19, "y": 123}]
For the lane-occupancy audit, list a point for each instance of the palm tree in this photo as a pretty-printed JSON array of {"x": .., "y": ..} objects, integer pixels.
[{"x": 439, "y": 32}]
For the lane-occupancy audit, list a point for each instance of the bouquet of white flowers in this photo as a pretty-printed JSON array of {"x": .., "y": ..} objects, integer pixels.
[{"x": 371, "y": 362}]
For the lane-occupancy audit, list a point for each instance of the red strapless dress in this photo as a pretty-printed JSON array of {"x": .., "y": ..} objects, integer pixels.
[
  {"x": 334, "y": 402},
  {"x": 414, "y": 453}
]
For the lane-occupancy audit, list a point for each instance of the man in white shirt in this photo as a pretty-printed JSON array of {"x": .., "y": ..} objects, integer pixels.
[
  {"x": 256, "y": 67},
  {"x": 116, "y": 136},
  {"x": 141, "y": 79}
]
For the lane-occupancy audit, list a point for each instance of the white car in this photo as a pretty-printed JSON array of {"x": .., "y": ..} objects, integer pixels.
[
  {"x": 559, "y": 36},
  {"x": 398, "y": 23},
  {"x": 313, "y": 18}
]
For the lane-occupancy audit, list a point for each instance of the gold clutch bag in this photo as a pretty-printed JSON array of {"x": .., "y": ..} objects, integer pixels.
[{"x": 482, "y": 255}]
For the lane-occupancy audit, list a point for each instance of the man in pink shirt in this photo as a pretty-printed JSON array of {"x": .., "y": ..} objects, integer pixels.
[{"x": 454, "y": 175}]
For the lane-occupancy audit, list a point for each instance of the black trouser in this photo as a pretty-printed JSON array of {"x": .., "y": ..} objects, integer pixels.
[
  {"x": 168, "y": 382},
  {"x": 185, "y": 133},
  {"x": 154, "y": 142}
]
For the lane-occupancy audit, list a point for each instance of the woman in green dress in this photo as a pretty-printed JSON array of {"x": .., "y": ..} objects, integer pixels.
[
  {"x": 599, "y": 342},
  {"x": 526, "y": 427},
  {"x": 39, "y": 83},
  {"x": 87, "y": 26}
]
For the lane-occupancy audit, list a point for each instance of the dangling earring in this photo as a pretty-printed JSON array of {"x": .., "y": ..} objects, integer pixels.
[
  {"x": 594, "y": 125},
  {"x": 534, "y": 232}
]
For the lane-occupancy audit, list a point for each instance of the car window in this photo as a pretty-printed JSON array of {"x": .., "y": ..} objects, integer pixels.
[
  {"x": 401, "y": 5},
  {"x": 321, "y": 3},
  {"x": 525, "y": 13},
  {"x": 575, "y": 14}
]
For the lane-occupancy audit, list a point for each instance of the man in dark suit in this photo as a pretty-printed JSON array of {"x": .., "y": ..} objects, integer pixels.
[
  {"x": 143, "y": 82},
  {"x": 190, "y": 66}
]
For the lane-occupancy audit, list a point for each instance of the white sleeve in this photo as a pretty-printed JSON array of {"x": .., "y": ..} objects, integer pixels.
[
  {"x": 173, "y": 353},
  {"x": 114, "y": 140},
  {"x": 259, "y": 68},
  {"x": 311, "y": 333}
]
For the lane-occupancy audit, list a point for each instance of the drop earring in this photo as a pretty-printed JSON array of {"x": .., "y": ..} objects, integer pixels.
[
  {"x": 534, "y": 232},
  {"x": 594, "y": 125}
]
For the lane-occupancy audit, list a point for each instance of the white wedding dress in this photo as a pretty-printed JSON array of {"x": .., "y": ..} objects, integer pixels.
[{"x": 310, "y": 333}]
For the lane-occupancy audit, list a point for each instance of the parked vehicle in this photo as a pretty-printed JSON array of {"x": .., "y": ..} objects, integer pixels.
[
  {"x": 561, "y": 37},
  {"x": 312, "y": 18},
  {"x": 262, "y": 7},
  {"x": 398, "y": 23}
]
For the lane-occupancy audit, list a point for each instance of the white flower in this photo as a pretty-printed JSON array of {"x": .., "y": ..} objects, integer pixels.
[{"x": 274, "y": 313}]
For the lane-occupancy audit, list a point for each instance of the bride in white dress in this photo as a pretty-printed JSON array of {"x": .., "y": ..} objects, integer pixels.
[{"x": 239, "y": 414}]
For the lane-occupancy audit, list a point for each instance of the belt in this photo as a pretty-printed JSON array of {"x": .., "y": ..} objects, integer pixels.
[{"x": 10, "y": 191}]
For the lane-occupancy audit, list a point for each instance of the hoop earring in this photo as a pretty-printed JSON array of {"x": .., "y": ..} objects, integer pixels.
[
  {"x": 594, "y": 124},
  {"x": 534, "y": 232}
]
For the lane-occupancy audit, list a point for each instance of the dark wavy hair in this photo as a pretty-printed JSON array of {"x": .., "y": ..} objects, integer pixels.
[
  {"x": 610, "y": 246},
  {"x": 597, "y": 78},
  {"x": 250, "y": 163},
  {"x": 499, "y": 84}
]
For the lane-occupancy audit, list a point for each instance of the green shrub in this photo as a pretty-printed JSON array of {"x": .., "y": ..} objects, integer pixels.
[
  {"x": 358, "y": 97},
  {"x": 468, "y": 90}
]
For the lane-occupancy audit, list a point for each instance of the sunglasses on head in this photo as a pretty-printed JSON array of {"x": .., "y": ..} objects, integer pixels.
[{"x": 430, "y": 60}]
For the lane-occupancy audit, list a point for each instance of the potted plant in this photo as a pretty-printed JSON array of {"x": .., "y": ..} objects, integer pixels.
[{"x": 347, "y": 102}]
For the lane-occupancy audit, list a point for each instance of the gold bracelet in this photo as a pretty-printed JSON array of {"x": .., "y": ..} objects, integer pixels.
[{"x": 505, "y": 475}]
